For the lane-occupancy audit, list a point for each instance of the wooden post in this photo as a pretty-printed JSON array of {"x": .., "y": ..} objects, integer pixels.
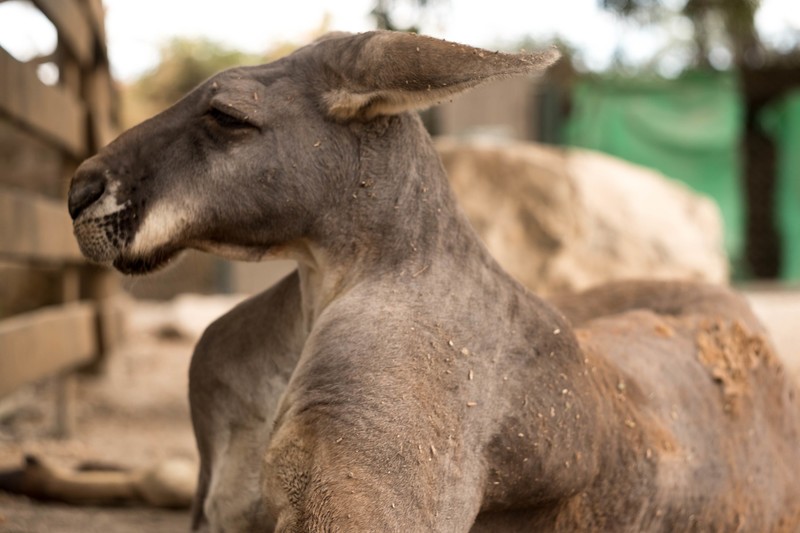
[
  {"x": 65, "y": 384},
  {"x": 101, "y": 285}
]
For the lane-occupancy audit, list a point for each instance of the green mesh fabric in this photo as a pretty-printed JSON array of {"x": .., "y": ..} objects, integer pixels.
[
  {"x": 781, "y": 120},
  {"x": 690, "y": 129}
]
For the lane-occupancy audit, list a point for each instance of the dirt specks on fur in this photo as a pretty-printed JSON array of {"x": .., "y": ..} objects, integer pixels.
[{"x": 731, "y": 353}]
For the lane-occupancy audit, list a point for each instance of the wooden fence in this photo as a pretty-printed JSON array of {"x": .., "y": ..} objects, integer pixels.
[{"x": 56, "y": 311}]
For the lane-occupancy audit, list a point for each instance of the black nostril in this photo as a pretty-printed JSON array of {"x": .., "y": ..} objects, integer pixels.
[{"x": 86, "y": 189}]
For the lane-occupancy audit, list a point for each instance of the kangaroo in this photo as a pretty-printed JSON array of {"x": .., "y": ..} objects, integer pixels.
[{"x": 399, "y": 379}]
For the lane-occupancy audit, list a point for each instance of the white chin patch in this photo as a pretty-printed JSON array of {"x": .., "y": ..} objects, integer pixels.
[
  {"x": 165, "y": 226},
  {"x": 162, "y": 225}
]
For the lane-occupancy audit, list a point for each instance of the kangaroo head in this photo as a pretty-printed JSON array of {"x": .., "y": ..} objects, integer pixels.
[{"x": 259, "y": 157}]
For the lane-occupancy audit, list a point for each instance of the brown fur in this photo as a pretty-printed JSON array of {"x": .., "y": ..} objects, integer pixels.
[{"x": 400, "y": 380}]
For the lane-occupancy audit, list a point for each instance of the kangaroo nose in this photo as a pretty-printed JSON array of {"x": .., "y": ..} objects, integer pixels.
[{"x": 88, "y": 185}]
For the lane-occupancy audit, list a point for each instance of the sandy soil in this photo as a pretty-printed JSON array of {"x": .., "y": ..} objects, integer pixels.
[{"x": 137, "y": 412}]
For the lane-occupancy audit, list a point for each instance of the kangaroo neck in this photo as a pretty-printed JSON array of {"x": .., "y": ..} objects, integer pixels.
[{"x": 395, "y": 215}]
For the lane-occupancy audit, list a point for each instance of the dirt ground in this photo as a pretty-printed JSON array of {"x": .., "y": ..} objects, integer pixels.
[
  {"x": 133, "y": 415},
  {"x": 137, "y": 412}
]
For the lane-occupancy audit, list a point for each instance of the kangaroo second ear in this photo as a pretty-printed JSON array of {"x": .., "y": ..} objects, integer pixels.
[{"x": 384, "y": 73}]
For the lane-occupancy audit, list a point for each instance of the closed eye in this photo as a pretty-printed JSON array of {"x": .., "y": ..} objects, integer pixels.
[{"x": 227, "y": 120}]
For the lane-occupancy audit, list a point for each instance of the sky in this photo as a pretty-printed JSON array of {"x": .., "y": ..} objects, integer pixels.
[
  {"x": 137, "y": 29},
  {"x": 253, "y": 26}
]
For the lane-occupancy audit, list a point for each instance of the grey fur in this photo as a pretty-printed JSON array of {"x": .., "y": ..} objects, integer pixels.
[{"x": 400, "y": 380}]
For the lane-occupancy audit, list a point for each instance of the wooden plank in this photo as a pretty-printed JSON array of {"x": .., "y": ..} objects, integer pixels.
[
  {"x": 25, "y": 288},
  {"x": 51, "y": 111},
  {"x": 45, "y": 342},
  {"x": 29, "y": 162},
  {"x": 73, "y": 27},
  {"x": 35, "y": 228}
]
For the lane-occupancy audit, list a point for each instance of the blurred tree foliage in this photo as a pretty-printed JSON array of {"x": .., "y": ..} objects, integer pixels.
[
  {"x": 387, "y": 13},
  {"x": 185, "y": 63},
  {"x": 726, "y": 23}
]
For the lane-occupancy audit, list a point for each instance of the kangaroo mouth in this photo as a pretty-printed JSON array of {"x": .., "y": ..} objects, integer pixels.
[
  {"x": 100, "y": 238},
  {"x": 103, "y": 242},
  {"x": 106, "y": 236}
]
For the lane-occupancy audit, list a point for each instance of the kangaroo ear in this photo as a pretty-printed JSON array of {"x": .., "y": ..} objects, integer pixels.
[{"x": 385, "y": 73}]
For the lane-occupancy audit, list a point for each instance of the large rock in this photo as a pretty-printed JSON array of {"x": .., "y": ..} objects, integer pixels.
[{"x": 566, "y": 219}]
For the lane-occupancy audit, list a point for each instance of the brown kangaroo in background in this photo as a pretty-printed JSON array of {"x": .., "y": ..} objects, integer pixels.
[{"x": 400, "y": 380}]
